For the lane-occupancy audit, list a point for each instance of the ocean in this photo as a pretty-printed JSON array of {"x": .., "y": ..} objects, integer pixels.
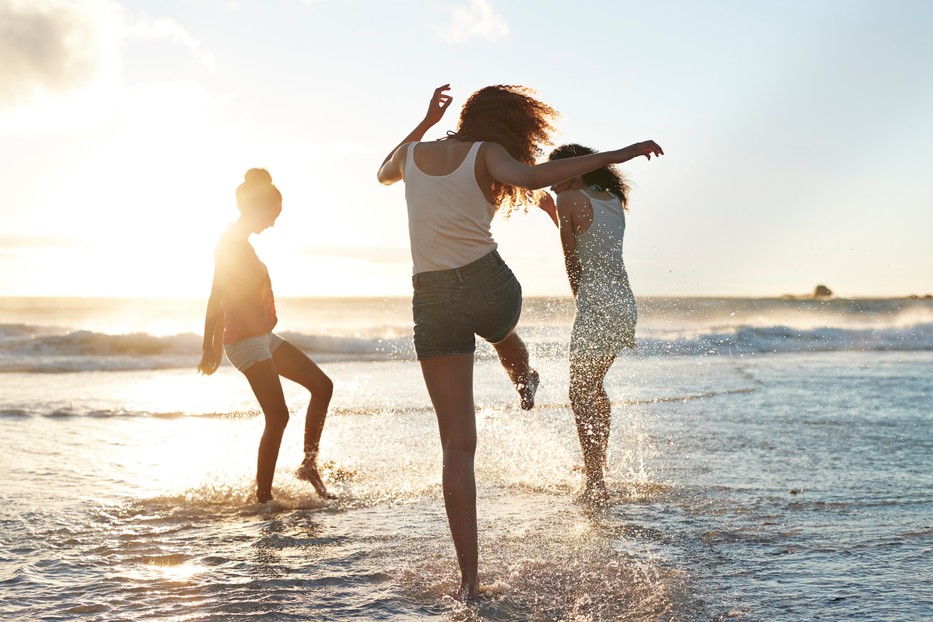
[{"x": 770, "y": 459}]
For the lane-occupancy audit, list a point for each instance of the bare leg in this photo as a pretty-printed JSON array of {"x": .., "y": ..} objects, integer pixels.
[
  {"x": 591, "y": 411},
  {"x": 449, "y": 380},
  {"x": 603, "y": 410},
  {"x": 293, "y": 364},
  {"x": 514, "y": 358},
  {"x": 264, "y": 380}
]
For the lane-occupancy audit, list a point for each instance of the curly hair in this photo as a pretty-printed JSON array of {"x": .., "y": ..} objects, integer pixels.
[
  {"x": 608, "y": 177},
  {"x": 510, "y": 116}
]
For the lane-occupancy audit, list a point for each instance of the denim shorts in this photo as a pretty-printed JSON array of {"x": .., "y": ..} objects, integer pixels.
[
  {"x": 245, "y": 353},
  {"x": 450, "y": 307}
]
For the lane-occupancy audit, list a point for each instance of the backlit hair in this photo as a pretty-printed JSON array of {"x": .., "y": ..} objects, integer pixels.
[{"x": 510, "y": 116}]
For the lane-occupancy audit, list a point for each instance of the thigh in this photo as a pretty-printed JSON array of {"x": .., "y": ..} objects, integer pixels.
[
  {"x": 295, "y": 365},
  {"x": 449, "y": 380},
  {"x": 496, "y": 303},
  {"x": 588, "y": 371},
  {"x": 263, "y": 377}
]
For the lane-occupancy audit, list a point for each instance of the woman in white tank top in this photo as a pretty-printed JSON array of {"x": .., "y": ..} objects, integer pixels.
[
  {"x": 462, "y": 288},
  {"x": 590, "y": 214}
]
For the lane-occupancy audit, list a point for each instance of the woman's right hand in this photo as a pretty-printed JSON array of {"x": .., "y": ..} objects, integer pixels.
[
  {"x": 547, "y": 205},
  {"x": 439, "y": 102}
]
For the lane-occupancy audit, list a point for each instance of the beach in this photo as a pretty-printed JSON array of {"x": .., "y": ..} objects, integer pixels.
[{"x": 770, "y": 459}]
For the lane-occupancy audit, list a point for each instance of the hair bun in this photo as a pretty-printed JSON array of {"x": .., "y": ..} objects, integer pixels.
[{"x": 257, "y": 176}]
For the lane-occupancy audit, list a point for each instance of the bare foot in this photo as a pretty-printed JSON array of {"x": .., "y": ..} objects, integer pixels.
[
  {"x": 527, "y": 390},
  {"x": 469, "y": 591},
  {"x": 595, "y": 495},
  {"x": 309, "y": 473}
]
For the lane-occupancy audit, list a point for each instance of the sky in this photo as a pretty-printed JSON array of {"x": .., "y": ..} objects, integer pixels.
[{"x": 797, "y": 137}]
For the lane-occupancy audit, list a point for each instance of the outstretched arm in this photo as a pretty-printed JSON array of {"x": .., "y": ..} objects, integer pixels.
[
  {"x": 391, "y": 169},
  {"x": 507, "y": 170}
]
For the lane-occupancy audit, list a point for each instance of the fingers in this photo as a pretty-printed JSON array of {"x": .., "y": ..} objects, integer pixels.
[
  {"x": 649, "y": 148},
  {"x": 440, "y": 98}
]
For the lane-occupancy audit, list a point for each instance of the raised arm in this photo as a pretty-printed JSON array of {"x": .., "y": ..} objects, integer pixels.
[
  {"x": 391, "y": 169},
  {"x": 507, "y": 170}
]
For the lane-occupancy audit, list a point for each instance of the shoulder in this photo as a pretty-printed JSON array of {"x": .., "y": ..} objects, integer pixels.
[
  {"x": 402, "y": 151},
  {"x": 230, "y": 246},
  {"x": 570, "y": 201},
  {"x": 491, "y": 149}
]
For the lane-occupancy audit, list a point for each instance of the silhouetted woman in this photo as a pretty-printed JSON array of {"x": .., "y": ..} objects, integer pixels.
[
  {"x": 590, "y": 213},
  {"x": 241, "y": 315},
  {"x": 462, "y": 288}
]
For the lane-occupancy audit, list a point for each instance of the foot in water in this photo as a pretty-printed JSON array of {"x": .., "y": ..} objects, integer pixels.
[
  {"x": 527, "y": 390},
  {"x": 469, "y": 592},
  {"x": 309, "y": 473},
  {"x": 595, "y": 495}
]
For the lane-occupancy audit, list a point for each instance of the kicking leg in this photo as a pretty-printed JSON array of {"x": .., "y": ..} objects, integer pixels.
[
  {"x": 514, "y": 358},
  {"x": 293, "y": 364}
]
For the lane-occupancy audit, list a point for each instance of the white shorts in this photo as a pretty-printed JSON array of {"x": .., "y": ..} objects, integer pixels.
[{"x": 245, "y": 353}]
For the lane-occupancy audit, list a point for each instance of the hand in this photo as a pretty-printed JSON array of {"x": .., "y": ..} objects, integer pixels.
[
  {"x": 547, "y": 204},
  {"x": 439, "y": 102},
  {"x": 210, "y": 361},
  {"x": 647, "y": 149}
]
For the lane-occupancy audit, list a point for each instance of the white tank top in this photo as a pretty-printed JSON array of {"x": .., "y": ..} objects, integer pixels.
[{"x": 448, "y": 216}]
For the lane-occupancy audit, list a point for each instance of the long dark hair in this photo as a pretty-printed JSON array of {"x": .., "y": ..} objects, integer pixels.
[
  {"x": 510, "y": 116},
  {"x": 608, "y": 177}
]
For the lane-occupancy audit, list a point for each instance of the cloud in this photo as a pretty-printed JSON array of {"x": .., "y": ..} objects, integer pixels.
[
  {"x": 58, "y": 49},
  {"x": 48, "y": 46},
  {"x": 478, "y": 19},
  {"x": 167, "y": 30}
]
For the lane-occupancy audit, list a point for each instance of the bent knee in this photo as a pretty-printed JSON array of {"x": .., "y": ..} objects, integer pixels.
[
  {"x": 325, "y": 390},
  {"x": 277, "y": 421}
]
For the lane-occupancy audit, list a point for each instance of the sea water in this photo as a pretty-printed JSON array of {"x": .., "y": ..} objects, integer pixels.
[{"x": 769, "y": 459}]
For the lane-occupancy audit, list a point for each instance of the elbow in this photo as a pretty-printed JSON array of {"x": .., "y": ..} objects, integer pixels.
[
  {"x": 385, "y": 179},
  {"x": 536, "y": 179}
]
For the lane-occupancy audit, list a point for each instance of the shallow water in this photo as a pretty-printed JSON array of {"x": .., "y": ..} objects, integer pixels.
[{"x": 745, "y": 485}]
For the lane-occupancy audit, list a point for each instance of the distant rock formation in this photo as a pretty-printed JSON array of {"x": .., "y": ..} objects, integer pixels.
[{"x": 819, "y": 292}]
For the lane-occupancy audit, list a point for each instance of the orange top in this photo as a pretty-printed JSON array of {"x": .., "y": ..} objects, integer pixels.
[{"x": 248, "y": 303}]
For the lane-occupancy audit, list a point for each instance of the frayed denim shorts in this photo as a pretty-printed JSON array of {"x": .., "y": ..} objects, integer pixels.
[
  {"x": 245, "y": 353},
  {"x": 451, "y": 307}
]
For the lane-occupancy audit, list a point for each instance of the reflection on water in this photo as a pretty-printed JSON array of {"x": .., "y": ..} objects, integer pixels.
[{"x": 795, "y": 485}]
